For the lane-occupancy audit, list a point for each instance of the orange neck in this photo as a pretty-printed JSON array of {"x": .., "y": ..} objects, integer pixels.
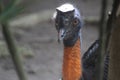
[{"x": 72, "y": 69}]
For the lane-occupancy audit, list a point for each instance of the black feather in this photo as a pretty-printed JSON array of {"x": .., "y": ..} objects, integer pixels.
[
  {"x": 90, "y": 56},
  {"x": 106, "y": 65},
  {"x": 89, "y": 61}
]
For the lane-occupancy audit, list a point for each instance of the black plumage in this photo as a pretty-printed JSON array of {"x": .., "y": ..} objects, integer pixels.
[{"x": 89, "y": 61}]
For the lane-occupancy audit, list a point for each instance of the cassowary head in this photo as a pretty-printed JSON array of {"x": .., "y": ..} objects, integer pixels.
[{"x": 68, "y": 24}]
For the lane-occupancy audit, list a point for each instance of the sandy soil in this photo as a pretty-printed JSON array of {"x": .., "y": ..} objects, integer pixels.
[{"x": 42, "y": 39}]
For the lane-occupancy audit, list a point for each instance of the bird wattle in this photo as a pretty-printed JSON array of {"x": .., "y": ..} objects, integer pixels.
[{"x": 72, "y": 69}]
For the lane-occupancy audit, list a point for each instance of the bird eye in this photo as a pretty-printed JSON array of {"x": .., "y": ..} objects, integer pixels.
[{"x": 75, "y": 21}]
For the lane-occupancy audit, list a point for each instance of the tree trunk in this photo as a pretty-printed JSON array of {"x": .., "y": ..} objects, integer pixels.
[{"x": 114, "y": 65}]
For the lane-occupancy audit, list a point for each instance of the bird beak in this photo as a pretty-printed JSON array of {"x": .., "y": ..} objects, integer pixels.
[{"x": 61, "y": 35}]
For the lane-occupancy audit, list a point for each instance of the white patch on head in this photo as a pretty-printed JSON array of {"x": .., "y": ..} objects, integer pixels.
[{"x": 66, "y": 7}]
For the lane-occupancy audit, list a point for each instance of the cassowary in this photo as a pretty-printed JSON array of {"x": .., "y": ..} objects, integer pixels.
[{"x": 68, "y": 24}]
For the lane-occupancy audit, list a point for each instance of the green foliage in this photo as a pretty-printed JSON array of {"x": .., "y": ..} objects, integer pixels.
[
  {"x": 10, "y": 10},
  {"x": 7, "y": 12}
]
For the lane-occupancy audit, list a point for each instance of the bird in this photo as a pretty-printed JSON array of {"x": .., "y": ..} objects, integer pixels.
[{"x": 69, "y": 23}]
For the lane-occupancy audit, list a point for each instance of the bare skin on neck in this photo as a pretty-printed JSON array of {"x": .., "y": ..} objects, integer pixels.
[{"x": 72, "y": 69}]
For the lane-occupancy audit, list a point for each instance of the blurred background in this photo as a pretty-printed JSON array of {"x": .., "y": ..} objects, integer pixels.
[{"x": 36, "y": 37}]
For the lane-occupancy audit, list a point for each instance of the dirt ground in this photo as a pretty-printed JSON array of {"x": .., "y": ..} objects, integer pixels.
[{"x": 42, "y": 39}]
